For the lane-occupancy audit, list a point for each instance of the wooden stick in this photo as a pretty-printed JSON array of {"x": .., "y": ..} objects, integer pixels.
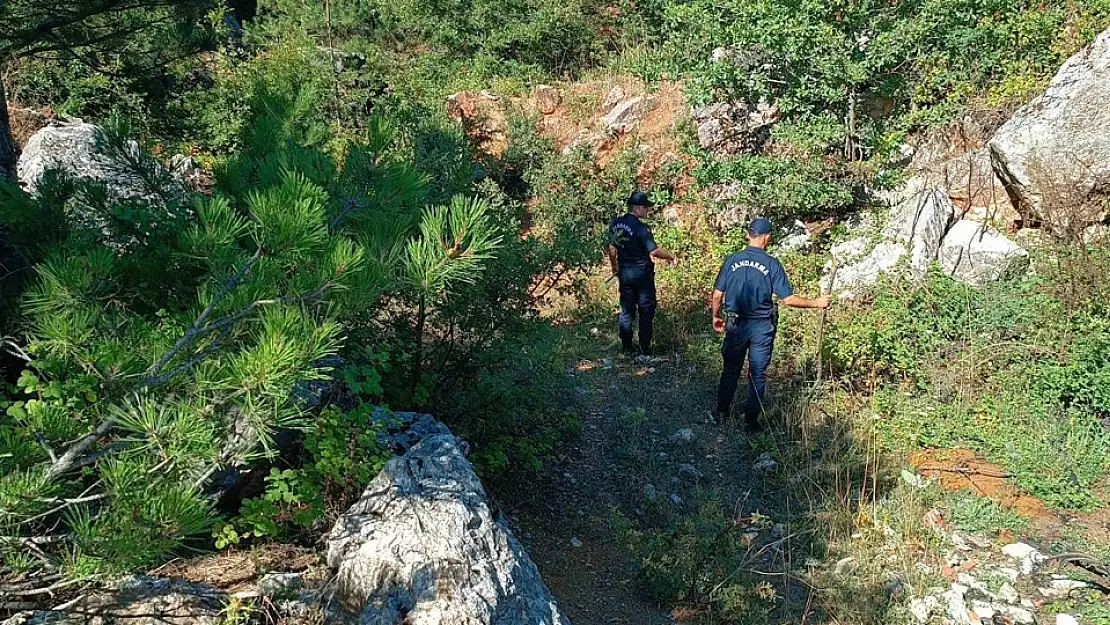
[{"x": 821, "y": 326}]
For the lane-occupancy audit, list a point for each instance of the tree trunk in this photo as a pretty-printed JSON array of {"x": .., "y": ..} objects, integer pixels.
[{"x": 8, "y": 153}]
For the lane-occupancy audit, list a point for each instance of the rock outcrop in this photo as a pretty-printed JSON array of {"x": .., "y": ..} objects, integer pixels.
[
  {"x": 734, "y": 128},
  {"x": 483, "y": 120},
  {"x": 976, "y": 253},
  {"x": 923, "y": 226},
  {"x": 547, "y": 99},
  {"x": 423, "y": 546},
  {"x": 1054, "y": 153},
  {"x": 79, "y": 149},
  {"x": 626, "y": 114},
  {"x": 914, "y": 229},
  {"x": 919, "y": 222}
]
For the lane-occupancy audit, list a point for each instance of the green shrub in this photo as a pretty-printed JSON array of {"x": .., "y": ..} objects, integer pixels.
[
  {"x": 699, "y": 560},
  {"x": 782, "y": 186},
  {"x": 900, "y": 328},
  {"x": 343, "y": 456}
]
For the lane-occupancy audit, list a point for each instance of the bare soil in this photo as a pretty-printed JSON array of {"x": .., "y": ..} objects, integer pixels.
[{"x": 959, "y": 469}]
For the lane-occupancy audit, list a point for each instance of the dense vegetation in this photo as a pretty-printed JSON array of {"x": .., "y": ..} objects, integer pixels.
[{"x": 352, "y": 250}]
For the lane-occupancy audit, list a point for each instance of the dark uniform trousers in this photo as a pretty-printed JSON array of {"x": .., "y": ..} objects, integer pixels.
[
  {"x": 753, "y": 339},
  {"x": 637, "y": 299}
]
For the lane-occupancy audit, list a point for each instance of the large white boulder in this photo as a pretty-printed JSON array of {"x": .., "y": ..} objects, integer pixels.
[
  {"x": 626, "y": 114},
  {"x": 914, "y": 229},
  {"x": 422, "y": 546},
  {"x": 79, "y": 149},
  {"x": 1055, "y": 151},
  {"x": 975, "y": 253},
  {"x": 919, "y": 222}
]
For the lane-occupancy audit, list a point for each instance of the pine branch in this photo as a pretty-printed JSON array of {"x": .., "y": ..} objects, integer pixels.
[
  {"x": 197, "y": 329},
  {"x": 73, "y": 458},
  {"x": 72, "y": 455},
  {"x": 65, "y": 504}
]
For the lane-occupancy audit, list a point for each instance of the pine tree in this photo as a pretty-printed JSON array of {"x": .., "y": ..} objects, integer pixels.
[{"x": 163, "y": 342}]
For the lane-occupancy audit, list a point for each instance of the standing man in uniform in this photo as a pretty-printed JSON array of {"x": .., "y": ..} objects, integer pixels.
[
  {"x": 744, "y": 311},
  {"x": 631, "y": 251}
]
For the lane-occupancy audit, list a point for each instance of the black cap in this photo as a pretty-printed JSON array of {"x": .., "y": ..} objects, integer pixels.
[{"x": 640, "y": 198}]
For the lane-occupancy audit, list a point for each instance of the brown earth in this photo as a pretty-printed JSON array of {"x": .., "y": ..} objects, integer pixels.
[
  {"x": 570, "y": 115},
  {"x": 26, "y": 122},
  {"x": 959, "y": 469}
]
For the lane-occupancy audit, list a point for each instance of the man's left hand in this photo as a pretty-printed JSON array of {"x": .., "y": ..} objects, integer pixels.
[{"x": 718, "y": 325}]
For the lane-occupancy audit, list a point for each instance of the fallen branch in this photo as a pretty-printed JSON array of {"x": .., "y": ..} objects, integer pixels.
[
  {"x": 964, "y": 471},
  {"x": 1091, "y": 564},
  {"x": 198, "y": 326},
  {"x": 49, "y": 590}
]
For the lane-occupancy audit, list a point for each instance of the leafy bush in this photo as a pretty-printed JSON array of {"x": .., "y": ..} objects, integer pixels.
[
  {"x": 783, "y": 186},
  {"x": 904, "y": 325},
  {"x": 699, "y": 561},
  {"x": 343, "y": 457}
]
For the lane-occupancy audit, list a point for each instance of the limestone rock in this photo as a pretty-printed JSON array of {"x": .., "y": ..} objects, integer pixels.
[
  {"x": 401, "y": 431},
  {"x": 976, "y": 190},
  {"x": 1055, "y": 151},
  {"x": 746, "y": 59},
  {"x": 956, "y": 158},
  {"x": 547, "y": 99},
  {"x": 764, "y": 463},
  {"x": 483, "y": 120},
  {"x": 914, "y": 230},
  {"x": 272, "y": 584},
  {"x": 626, "y": 115},
  {"x": 957, "y": 604},
  {"x": 615, "y": 95},
  {"x": 423, "y": 546},
  {"x": 1020, "y": 551},
  {"x": 79, "y": 149},
  {"x": 852, "y": 280},
  {"x": 794, "y": 239},
  {"x": 189, "y": 171},
  {"x": 976, "y": 254},
  {"x": 734, "y": 128},
  {"x": 920, "y": 222}
]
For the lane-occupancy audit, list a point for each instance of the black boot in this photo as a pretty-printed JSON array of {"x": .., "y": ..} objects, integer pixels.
[{"x": 752, "y": 424}]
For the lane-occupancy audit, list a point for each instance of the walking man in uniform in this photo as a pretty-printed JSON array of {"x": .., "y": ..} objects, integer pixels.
[
  {"x": 631, "y": 251},
  {"x": 744, "y": 311}
]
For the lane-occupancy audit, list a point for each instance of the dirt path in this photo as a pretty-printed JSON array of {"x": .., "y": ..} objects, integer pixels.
[{"x": 645, "y": 442}]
